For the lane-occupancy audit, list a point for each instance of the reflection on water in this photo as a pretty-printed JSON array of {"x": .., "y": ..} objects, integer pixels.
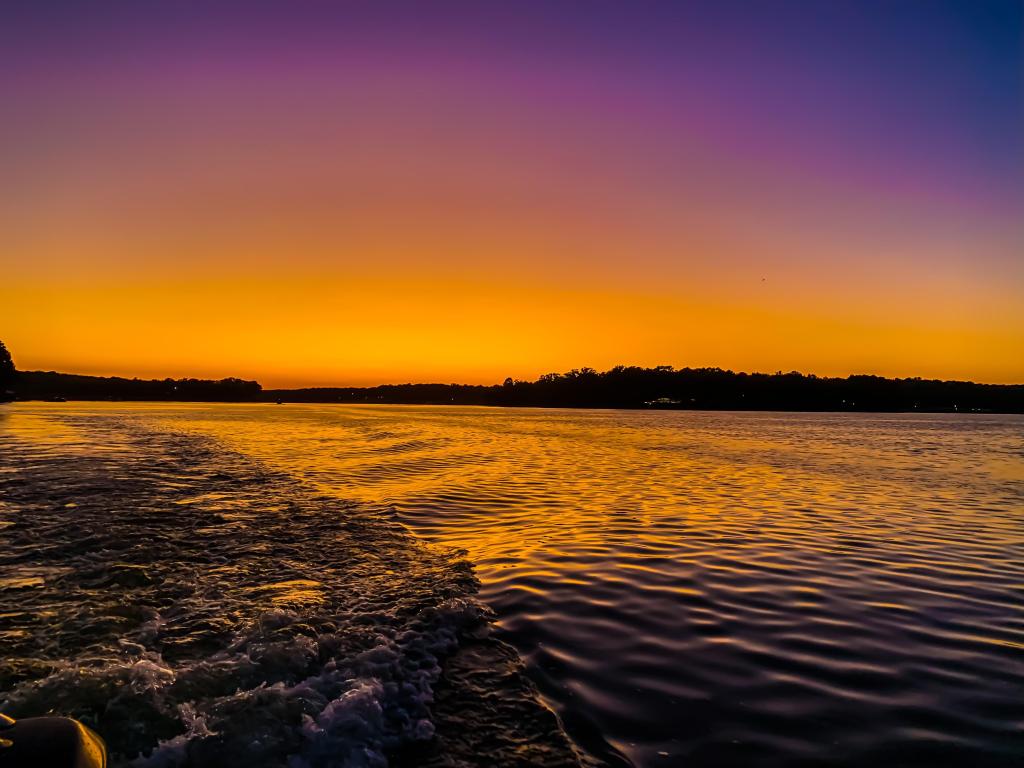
[
  {"x": 198, "y": 609},
  {"x": 706, "y": 588}
]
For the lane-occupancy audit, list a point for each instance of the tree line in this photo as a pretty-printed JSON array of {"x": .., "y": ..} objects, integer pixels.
[
  {"x": 690, "y": 388},
  {"x": 620, "y": 387},
  {"x": 49, "y": 385}
]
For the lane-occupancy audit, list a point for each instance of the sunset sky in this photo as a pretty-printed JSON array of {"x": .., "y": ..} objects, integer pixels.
[{"x": 318, "y": 193}]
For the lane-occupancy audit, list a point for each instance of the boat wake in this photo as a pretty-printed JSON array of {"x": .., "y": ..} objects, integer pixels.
[{"x": 195, "y": 608}]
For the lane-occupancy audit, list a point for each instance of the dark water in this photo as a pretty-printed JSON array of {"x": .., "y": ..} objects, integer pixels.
[
  {"x": 690, "y": 589},
  {"x": 197, "y": 608}
]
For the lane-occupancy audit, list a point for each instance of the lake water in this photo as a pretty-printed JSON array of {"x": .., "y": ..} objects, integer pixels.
[{"x": 684, "y": 588}]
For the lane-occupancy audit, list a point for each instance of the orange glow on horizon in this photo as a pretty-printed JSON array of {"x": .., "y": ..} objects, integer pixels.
[{"x": 332, "y": 330}]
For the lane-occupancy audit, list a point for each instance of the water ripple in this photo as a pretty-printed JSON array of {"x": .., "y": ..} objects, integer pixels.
[{"x": 711, "y": 589}]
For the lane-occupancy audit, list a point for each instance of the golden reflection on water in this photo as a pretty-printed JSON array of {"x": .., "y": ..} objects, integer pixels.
[
  {"x": 650, "y": 565},
  {"x": 294, "y": 592},
  {"x": 41, "y": 428}
]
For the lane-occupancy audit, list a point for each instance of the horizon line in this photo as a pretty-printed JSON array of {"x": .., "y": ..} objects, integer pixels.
[{"x": 538, "y": 377}]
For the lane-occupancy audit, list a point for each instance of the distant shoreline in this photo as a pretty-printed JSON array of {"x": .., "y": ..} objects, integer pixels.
[
  {"x": 645, "y": 409},
  {"x": 626, "y": 388}
]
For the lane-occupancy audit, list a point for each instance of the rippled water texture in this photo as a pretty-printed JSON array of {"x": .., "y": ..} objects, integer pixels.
[
  {"x": 686, "y": 589},
  {"x": 197, "y": 608}
]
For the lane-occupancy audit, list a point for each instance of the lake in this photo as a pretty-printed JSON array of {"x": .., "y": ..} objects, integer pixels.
[{"x": 684, "y": 588}]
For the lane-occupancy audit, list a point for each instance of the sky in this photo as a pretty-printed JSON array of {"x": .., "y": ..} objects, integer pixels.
[{"x": 351, "y": 193}]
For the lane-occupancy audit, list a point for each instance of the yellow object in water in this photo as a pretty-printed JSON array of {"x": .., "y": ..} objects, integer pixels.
[{"x": 57, "y": 742}]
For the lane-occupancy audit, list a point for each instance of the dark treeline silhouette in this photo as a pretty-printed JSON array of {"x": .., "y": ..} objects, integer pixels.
[
  {"x": 47, "y": 385},
  {"x": 621, "y": 387},
  {"x": 7, "y": 374},
  {"x": 696, "y": 388}
]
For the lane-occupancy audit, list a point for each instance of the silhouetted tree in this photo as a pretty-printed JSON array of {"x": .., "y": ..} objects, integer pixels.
[{"x": 7, "y": 372}]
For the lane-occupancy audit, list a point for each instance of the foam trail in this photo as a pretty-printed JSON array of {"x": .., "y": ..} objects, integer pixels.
[{"x": 191, "y": 605}]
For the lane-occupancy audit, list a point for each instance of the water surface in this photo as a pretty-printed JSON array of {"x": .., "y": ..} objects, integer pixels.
[{"x": 701, "y": 588}]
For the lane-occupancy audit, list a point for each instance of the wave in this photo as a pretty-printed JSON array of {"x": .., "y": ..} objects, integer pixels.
[{"x": 194, "y": 607}]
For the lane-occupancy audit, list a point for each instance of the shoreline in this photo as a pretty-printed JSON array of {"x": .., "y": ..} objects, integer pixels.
[
  {"x": 652, "y": 409},
  {"x": 619, "y": 388}
]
